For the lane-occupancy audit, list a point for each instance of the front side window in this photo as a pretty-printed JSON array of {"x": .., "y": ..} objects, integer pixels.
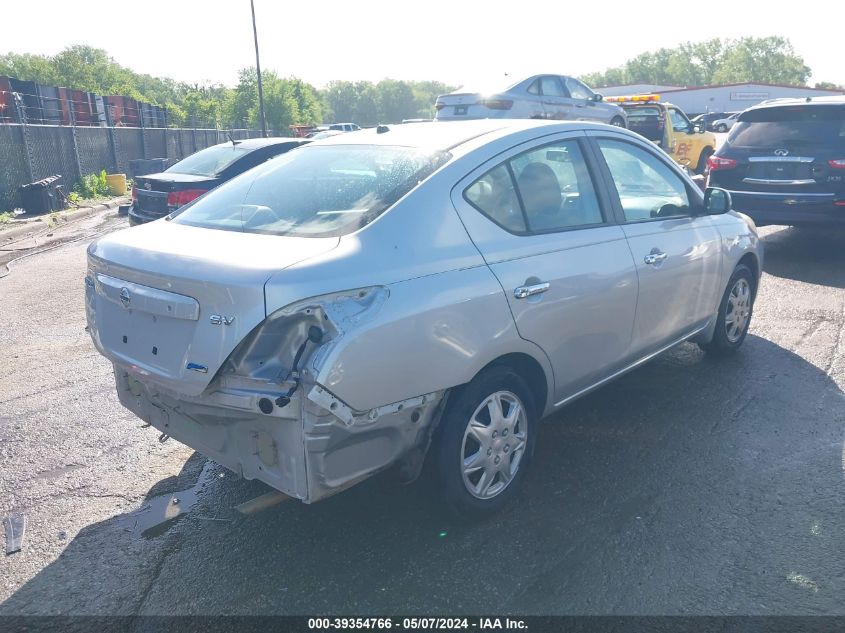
[
  {"x": 544, "y": 190},
  {"x": 578, "y": 90},
  {"x": 314, "y": 192},
  {"x": 647, "y": 187},
  {"x": 680, "y": 123}
]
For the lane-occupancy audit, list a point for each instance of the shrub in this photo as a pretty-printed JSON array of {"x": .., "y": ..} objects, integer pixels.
[{"x": 92, "y": 186}]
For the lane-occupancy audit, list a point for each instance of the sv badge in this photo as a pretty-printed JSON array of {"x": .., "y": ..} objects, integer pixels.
[{"x": 219, "y": 319}]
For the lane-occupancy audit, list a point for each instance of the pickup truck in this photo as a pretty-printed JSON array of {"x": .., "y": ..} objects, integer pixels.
[{"x": 670, "y": 128}]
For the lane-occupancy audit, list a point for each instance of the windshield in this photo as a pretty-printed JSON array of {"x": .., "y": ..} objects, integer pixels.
[
  {"x": 210, "y": 161},
  {"x": 790, "y": 126},
  {"x": 318, "y": 192}
]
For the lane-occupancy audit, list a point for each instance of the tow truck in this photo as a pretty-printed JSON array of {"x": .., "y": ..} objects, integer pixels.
[{"x": 670, "y": 128}]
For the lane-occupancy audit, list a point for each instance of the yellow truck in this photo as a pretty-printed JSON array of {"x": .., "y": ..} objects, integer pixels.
[{"x": 670, "y": 128}]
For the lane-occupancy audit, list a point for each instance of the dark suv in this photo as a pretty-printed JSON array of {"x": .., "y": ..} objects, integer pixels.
[{"x": 784, "y": 162}]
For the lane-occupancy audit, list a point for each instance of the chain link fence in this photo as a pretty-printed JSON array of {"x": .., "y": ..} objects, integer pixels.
[{"x": 32, "y": 152}]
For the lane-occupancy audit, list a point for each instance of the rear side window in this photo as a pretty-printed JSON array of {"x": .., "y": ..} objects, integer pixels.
[
  {"x": 544, "y": 190},
  {"x": 315, "y": 191},
  {"x": 551, "y": 87},
  {"x": 799, "y": 127}
]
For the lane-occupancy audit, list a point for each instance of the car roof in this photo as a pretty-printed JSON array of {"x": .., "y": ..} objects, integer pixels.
[
  {"x": 258, "y": 143},
  {"x": 447, "y": 135},
  {"x": 793, "y": 101}
]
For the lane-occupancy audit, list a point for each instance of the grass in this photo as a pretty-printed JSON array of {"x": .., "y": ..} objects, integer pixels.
[{"x": 7, "y": 217}]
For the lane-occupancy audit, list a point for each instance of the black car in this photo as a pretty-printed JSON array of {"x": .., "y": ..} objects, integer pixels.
[
  {"x": 784, "y": 162},
  {"x": 708, "y": 118},
  {"x": 156, "y": 195}
]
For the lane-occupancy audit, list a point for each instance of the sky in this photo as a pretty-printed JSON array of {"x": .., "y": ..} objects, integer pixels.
[{"x": 457, "y": 42}]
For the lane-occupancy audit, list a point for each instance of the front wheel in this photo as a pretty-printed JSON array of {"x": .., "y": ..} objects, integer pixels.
[
  {"x": 734, "y": 316},
  {"x": 484, "y": 443},
  {"x": 721, "y": 128},
  {"x": 618, "y": 121},
  {"x": 706, "y": 153}
]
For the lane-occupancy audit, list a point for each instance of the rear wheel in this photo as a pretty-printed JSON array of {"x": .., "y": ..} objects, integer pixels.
[
  {"x": 721, "y": 128},
  {"x": 484, "y": 443},
  {"x": 734, "y": 316},
  {"x": 618, "y": 121}
]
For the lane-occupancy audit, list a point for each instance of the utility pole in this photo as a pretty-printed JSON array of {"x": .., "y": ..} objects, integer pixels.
[{"x": 258, "y": 69}]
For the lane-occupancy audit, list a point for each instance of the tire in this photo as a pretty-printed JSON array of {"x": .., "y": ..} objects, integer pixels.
[
  {"x": 739, "y": 297},
  {"x": 460, "y": 483},
  {"x": 618, "y": 121},
  {"x": 722, "y": 128},
  {"x": 706, "y": 153}
]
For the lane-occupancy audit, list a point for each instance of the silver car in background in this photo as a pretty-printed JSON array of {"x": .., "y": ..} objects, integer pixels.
[
  {"x": 555, "y": 97},
  {"x": 416, "y": 294}
]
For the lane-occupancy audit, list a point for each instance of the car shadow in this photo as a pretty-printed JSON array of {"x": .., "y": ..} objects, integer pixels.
[
  {"x": 689, "y": 486},
  {"x": 811, "y": 255}
]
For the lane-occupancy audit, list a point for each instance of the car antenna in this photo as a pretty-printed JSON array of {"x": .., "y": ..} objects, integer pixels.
[{"x": 232, "y": 138}]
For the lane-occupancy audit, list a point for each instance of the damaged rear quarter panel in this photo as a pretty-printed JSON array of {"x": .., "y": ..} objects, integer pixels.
[{"x": 432, "y": 333}]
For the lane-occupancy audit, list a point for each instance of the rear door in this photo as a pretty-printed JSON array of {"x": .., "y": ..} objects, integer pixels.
[
  {"x": 677, "y": 253},
  {"x": 544, "y": 229},
  {"x": 555, "y": 98}
]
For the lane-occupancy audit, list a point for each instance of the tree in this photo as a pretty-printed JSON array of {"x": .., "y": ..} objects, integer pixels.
[{"x": 764, "y": 60}]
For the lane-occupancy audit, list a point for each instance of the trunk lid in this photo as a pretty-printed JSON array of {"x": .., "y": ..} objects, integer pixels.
[
  {"x": 458, "y": 105},
  {"x": 170, "y": 302},
  {"x": 151, "y": 191}
]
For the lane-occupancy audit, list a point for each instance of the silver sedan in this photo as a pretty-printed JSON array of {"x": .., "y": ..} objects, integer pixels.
[
  {"x": 555, "y": 97},
  {"x": 415, "y": 294}
]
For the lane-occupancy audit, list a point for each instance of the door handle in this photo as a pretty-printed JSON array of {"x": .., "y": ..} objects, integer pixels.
[
  {"x": 523, "y": 292},
  {"x": 655, "y": 257}
]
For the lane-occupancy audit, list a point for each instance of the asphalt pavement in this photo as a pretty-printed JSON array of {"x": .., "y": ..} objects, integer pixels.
[{"x": 689, "y": 486}]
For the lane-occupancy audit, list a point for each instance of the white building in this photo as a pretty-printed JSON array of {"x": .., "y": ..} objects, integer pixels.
[
  {"x": 634, "y": 89},
  {"x": 725, "y": 98}
]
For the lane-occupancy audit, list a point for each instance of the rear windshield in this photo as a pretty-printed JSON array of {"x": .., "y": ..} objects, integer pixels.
[
  {"x": 317, "y": 192},
  {"x": 791, "y": 126},
  {"x": 641, "y": 112},
  {"x": 210, "y": 161}
]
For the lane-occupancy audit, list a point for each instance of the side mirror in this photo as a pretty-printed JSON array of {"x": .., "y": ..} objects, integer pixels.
[
  {"x": 596, "y": 97},
  {"x": 699, "y": 128},
  {"x": 717, "y": 201}
]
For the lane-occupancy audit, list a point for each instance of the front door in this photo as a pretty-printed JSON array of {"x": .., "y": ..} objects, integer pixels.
[
  {"x": 677, "y": 253},
  {"x": 565, "y": 268},
  {"x": 683, "y": 146},
  {"x": 583, "y": 105}
]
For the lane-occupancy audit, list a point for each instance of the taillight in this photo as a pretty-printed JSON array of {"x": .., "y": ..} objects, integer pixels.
[
  {"x": 837, "y": 163},
  {"x": 497, "y": 104},
  {"x": 717, "y": 162},
  {"x": 178, "y": 198},
  {"x": 134, "y": 194}
]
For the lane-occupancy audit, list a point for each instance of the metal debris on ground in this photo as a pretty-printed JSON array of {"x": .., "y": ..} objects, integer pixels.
[
  {"x": 263, "y": 502},
  {"x": 15, "y": 528}
]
